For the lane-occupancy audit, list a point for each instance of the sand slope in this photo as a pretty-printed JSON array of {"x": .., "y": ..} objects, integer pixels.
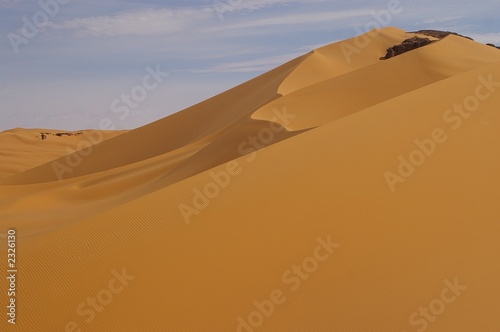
[
  {"x": 209, "y": 223},
  {"x": 23, "y": 149}
]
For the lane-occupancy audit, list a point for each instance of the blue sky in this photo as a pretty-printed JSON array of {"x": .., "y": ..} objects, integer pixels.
[{"x": 85, "y": 54}]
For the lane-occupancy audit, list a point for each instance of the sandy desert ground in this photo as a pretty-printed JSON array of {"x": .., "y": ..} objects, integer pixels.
[{"x": 336, "y": 193}]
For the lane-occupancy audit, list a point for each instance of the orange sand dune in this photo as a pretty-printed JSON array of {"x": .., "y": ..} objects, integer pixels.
[
  {"x": 330, "y": 194},
  {"x": 343, "y": 57},
  {"x": 23, "y": 149}
]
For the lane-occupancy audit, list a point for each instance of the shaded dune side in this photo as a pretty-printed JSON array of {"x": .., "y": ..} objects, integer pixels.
[
  {"x": 331, "y": 61},
  {"x": 52, "y": 202},
  {"x": 326, "y": 181},
  {"x": 345, "y": 94},
  {"x": 232, "y": 145},
  {"x": 175, "y": 131},
  {"x": 343, "y": 57},
  {"x": 85, "y": 196}
]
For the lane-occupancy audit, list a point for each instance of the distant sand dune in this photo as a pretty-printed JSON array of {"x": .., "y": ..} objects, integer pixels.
[{"x": 23, "y": 149}]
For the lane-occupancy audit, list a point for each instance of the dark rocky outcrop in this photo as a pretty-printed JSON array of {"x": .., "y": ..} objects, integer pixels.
[
  {"x": 44, "y": 136},
  {"x": 439, "y": 34},
  {"x": 407, "y": 45},
  {"x": 416, "y": 42},
  {"x": 442, "y": 34}
]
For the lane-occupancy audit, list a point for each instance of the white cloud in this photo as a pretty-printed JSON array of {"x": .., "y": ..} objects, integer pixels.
[
  {"x": 149, "y": 22},
  {"x": 258, "y": 65},
  {"x": 8, "y": 3},
  {"x": 230, "y": 6},
  {"x": 293, "y": 19},
  {"x": 160, "y": 21},
  {"x": 145, "y": 22},
  {"x": 309, "y": 48},
  {"x": 435, "y": 20},
  {"x": 238, "y": 5}
]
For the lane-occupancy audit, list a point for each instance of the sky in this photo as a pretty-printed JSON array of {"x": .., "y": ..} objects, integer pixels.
[{"x": 68, "y": 64}]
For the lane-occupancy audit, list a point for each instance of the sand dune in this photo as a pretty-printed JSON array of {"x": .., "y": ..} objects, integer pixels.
[
  {"x": 329, "y": 194},
  {"x": 23, "y": 149}
]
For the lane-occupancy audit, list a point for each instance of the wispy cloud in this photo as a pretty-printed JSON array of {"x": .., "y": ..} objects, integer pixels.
[
  {"x": 239, "y": 5},
  {"x": 144, "y": 22},
  {"x": 8, "y": 3},
  {"x": 162, "y": 21},
  {"x": 257, "y": 65},
  {"x": 445, "y": 19},
  {"x": 309, "y": 48},
  {"x": 294, "y": 19},
  {"x": 168, "y": 21},
  {"x": 231, "y": 6}
]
